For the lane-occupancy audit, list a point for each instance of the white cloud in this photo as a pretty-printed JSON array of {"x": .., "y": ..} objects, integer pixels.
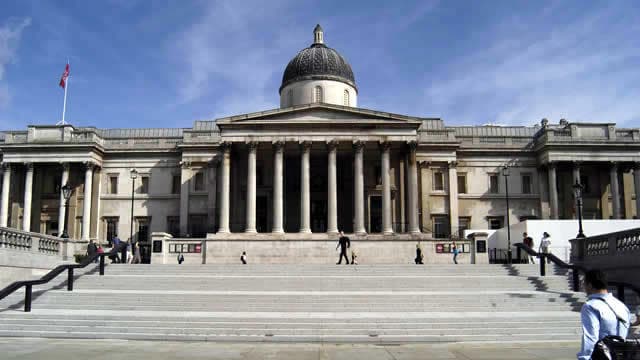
[
  {"x": 231, "y": 54},
  {"x": 10, "y": 33},
  {"x": 576, "y": 71}
]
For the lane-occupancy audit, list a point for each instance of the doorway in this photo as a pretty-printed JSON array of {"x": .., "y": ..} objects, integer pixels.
[
  {"x": 262, "y": 216},
  {"x": 375, "y": 214}
]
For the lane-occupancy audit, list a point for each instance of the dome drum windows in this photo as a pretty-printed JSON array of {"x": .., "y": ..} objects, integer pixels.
[
  {"x": 346, "y": 98},
  {"x": 317, "y": 94}
]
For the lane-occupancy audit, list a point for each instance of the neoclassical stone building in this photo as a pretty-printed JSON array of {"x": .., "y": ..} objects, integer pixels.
[{"x": 316, "y": 165}]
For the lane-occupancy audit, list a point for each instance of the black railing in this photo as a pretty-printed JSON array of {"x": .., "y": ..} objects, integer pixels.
[
  {"x": 28, "y": 284},
  {"x": 575, "y": 271}
]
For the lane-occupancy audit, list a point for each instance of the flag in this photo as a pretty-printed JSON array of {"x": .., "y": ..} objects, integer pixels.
[{"x": 65, "y": 75}]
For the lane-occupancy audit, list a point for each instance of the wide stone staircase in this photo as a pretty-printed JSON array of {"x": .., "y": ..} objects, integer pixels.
[{"x": 303, "y": 303}]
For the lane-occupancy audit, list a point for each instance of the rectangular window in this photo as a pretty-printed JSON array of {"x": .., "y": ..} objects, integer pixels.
[
  {"x": 112, "y": 228},
  {"x": 173, "y": 225},
  {"x": 440, "y": 226},
  {"x": 462, "y": 183},
  {"x": 176, "y": 182},
  {"x": 78, "y": 227},
  {"x": 464, "y": 223},
  {"x": 113, "y": 184},
  {"x": 438, "y": 181},
  {"x": 144, "y": 185},
  {"x": 199, "y": 182},
  {"x": 493, "y": 184},
  {"x": 495, "y": 222},
  {"x": 526, "y": 184}
]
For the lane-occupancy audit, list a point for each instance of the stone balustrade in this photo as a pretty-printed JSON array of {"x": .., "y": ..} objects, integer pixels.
[
  {"x": 36, "y": 243},
  {"x": 615, "y": 253}
]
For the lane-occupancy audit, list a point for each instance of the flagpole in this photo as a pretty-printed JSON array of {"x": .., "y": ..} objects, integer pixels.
[{"x": 64, "y": 104}]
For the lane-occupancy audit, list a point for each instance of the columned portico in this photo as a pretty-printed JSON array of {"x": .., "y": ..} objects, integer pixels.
[
  {"x": 387, "y": 227},
  {"x": 615, "y": 191},
  {"x": 225, "y": 188},
  {"x": 86, "y": 206},
  {"x": 4, "y": 201},
  {"x": 359, "y": 187},
  {"x": 251, "y": 188},
  {"x": 28, "y": 193},
  {"x": 332, "y": 189},
  {"x": 278, "y": 154},
  {"x": 305, "y": 195},
  {"x": 61, "y": 208}
]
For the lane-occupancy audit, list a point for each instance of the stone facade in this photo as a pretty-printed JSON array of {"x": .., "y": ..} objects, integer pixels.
[{"x": 313, "y": 168}]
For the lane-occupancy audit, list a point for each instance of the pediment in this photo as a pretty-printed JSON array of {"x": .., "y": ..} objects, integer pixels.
[{"x": 318, "y": 113}]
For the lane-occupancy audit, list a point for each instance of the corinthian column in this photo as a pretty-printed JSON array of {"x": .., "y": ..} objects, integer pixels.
[
  {"x": 86, "y": 206},
  {"x": 359, "y": 187},
  {"x": 4, "y": 202},
  {"x": 251, "y": 188},
  {"x": 332, "y": 190},
  {"x": 387, "y": 226},
  {"x": 615, "y": 191},
  {"x": 61, "y": 207},
  {"x": 636, "y": 182},
  {"x": 28, "y": 188},
  {"x": 553, "y": 191},
  {"x": 413, "y": 189},
  {"x": 277, "y": 188},
  {"x": 305, "y": 193},
  {"x": 224, "y": 191}
]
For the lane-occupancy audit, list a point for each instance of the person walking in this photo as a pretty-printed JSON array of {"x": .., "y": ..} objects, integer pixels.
[
  {"x": 602, "y": 314},
  {"x": 354, "y": 256},
  {"x": 419, "y": 254},
  {"x": 454, "y": 249},
  {"x": 91, "y": 249},
  {"x": 116, "y": 242},
  {"x": 180, "y": 258},
  {"x": 528, "y": 240},
  {"x": 100, "y": 250},
  {"x": 136, "y": 254},
  {"x": 343, "y": 243},
  {"x": 243, "y": 258},
  {"x": 545, "y": 244}
]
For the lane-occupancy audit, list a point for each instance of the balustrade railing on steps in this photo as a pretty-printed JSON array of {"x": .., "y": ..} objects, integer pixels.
[
  {"x": 28, "y": 284},
  {"x": 575, "y": 271}
]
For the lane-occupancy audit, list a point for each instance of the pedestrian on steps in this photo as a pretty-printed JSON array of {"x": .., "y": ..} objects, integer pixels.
[
  {"x": 528, "y": 240},
  {"x": 180, "y": 258},
  {"x": 419, "y": 254},
  {"x": 343, "y": 243},
  {"x": 454, "y": 249},
  {"x": 136, "y": 254},
  {"x": 243, "y": 258},
  {"x": 545, "y": 244}
]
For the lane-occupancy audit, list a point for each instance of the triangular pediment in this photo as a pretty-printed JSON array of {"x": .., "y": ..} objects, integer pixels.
[{"x": 320, "y": 113}]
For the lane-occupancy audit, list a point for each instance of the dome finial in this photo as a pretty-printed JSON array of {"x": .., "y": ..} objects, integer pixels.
[{"x": 318, "y": 35}]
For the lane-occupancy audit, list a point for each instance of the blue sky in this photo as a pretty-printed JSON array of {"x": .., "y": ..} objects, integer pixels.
[{"x": 138, "y": 63}]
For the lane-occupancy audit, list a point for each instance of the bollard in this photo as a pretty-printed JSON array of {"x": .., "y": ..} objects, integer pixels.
[
  {"x": 101, "y": 264},
  {"x": 27, "y": 298},
  {"x": 543, "y": 269},
  {"x": 575, "y": 274},
  {"x": 70, "y": 279}
]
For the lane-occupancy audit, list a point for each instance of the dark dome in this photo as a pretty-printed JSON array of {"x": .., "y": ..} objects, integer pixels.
[{"x": 318, "y": 62}]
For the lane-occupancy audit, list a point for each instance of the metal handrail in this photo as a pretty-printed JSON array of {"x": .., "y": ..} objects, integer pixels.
[
  {"x": 28, "y": 284},
  {"x": 575, "y": 271}
]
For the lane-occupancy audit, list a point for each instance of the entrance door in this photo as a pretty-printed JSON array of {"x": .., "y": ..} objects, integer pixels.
[
  {"x": 375, "y": 214},
  {"x": 318, "y": 216},
  {"x": 261, "y": 214},
  {"x": 143, "y": 239}
]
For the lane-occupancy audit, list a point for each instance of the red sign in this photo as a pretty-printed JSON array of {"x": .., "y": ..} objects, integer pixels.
[
  {"x": 439, "y": 248},
  {"x": 198, "y": 248}
]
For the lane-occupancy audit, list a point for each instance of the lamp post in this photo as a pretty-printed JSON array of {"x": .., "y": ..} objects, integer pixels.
[
  {"x": 505, "y": 173},
  {"x": 577, "y": 191},
  {"x": 134, "y": 175},
  {"x": 66, "y": 193}
]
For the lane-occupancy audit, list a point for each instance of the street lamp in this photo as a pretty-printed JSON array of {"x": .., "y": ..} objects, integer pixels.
[
  {"x": 66, "y": 193},
  {"x": 134, "y": 175},
  {"x": 505, "y": 173},
  {"x": 577, "y": 192}
]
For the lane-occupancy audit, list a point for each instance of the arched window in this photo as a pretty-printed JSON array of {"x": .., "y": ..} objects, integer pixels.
[
  {"x": 346, "y": 98},
  {"x": 317, "y": 94},
  {"x": 290, "y": 97}
]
